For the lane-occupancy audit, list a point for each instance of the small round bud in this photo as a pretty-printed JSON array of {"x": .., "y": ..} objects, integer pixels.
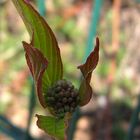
[
  {"x": 66, "y": 108},
  {"x": 73, "y": 94},
  {"x": 64, "y": 100},
  {"x": 70, "y": 99},
  {"x": 62, "y": 94},
  {"x": 65, "y": 85},
  {"x": 56, "y": 96},
  {"x": 59, "y": 104},
  {"x": 58, "y": 89},
  {"x": 67, "y": 94},
  {"x": 69, "y": 89}
]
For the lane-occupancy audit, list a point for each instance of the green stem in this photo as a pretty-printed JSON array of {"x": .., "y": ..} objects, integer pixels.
[
  {"x": 134, "y": 120},
  {"x": 32, "y": 103},
  {"x": 41, "y": 7},
  {"x": 97, "y": 5}
]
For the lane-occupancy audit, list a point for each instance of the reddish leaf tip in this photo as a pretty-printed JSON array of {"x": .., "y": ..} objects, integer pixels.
[
  {"x": 94, "y": 55},
  {"x": 97, "y": 41},
  {"x": 85, "y": 89},
  {"x": 37, "y": 64}
]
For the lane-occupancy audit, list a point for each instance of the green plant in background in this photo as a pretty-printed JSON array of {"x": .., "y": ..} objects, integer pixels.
[{"x": 44, "y": 61}]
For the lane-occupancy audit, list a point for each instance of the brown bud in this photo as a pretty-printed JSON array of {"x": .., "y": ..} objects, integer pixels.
[
  {"x": 56, "y": 96},
  {"x": 58, "y": 89},
  {"x": 73, "y": 94},
  {"x": 70, "y": 99},
  {"x": 64, "y": 100},
  {"x": 67, "y": 94},
  {"x": 67, "y": 108},
  {"x": 62, "y": 94},
  {"x": 62, "y": 97},
  {"x": 59, "y": 104}
]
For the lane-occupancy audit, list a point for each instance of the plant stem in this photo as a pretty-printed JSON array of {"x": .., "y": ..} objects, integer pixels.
[
  {"x": 32, "y": 103},
  {"x": 134, "y": 120},
  {"x": 97, "y": 5},
  {"x": 41, "y": 7}
]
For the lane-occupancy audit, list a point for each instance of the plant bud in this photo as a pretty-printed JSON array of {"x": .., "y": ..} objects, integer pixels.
[
  {"x": 64, "y": 100},
  {"x": 56, "y": 96},
  {"x": 67, "y": 94},
  {"x": 59, "y": 104},
  {"x": 73, "y": 94},
  {"x": 66, "y": 108},
  {"x": 58, "y": 89},
  {"x": 70, "y": 100},
  {"x": 62, "y": 97},
  {"x": 62, "y": 94}
]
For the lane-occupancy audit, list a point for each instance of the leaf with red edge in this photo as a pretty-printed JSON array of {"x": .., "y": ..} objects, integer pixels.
[
  {"x": 37, "y": 64},
  {"x": 44, "y": 40},
  {"x": 85, "y": 90}
]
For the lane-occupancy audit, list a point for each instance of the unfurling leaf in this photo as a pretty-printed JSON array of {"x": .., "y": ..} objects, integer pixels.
[
  {"x": 37, "y": 64},
  {"x": 85, "y": 90},
  {"x": 44, "y": 40},
  {"x": 53, "y": 126}
]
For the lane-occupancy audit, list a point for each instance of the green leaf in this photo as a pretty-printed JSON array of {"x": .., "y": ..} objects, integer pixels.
[
  {"x": 85, "y": 90},
  {"x": 43, "y": 39},
  {"x": 37, "y": 64},
  {"x": 53, "y": 126}
]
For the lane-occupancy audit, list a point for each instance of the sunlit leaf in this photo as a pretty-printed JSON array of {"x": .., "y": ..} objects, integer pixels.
[
  {"x": 44, "y": 40},
  {"x": 53, "y": 126},
  {"x": 85, "y": 90},
  {"x": 37, "y": 64}
]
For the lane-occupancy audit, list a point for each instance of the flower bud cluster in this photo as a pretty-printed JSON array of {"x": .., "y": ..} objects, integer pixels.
[{"x": 62, "y": 97}]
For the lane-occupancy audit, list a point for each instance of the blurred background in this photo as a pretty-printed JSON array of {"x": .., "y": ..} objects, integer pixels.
[{"x": 114, "y": 111}]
